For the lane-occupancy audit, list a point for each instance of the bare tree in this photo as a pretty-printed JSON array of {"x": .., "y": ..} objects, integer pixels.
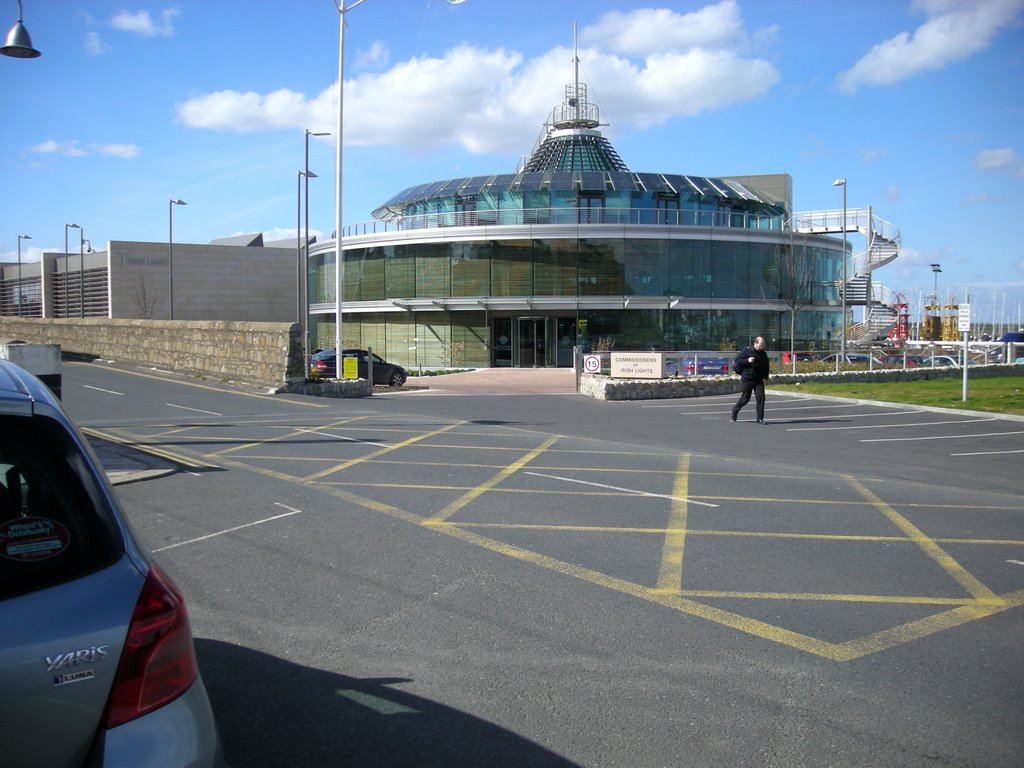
[{"x": 794, "y": 272}]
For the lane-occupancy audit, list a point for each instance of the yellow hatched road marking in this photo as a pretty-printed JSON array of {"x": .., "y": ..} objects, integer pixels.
[
  {"x": 352, "y": 462},
  {"x": 668, "y": 593},
  {"x": 670, "y": 575},
  {"x": 474, "y": 493},
  {"x": 930, "y": 548},
  {"x": 296, "y": 432},
  {"x": 162, "y": 453}
]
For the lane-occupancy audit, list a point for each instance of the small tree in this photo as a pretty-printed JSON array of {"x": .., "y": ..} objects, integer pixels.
[{"x": 796, "y": 282}]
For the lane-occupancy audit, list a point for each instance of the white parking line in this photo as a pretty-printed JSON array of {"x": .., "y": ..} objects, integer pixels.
[
  {"x": 888, "y": 426},
  {"x": 986, "y": 453},
  {"x": 344, "y": 438},
  {"x": 197, "y": 410},
  {"x": 108, "y": 391},
  {"x": 938, "y": 437},
  {"x": 625, "y": 490},
  {"x": 236, "y": 528}
]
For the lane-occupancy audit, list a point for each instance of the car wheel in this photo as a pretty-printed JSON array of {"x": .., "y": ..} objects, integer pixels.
[{"x": 397, "y": 379}]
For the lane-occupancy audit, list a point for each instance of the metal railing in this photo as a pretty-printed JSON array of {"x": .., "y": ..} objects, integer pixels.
[{"x": 569, "y": 216}]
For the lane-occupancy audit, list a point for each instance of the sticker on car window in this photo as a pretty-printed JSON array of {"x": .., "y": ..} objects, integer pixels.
[{"x": 32, "y": 538}]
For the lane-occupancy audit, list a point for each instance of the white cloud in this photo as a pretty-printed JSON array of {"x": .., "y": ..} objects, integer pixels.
[
  {"x": 141, "y": 23},
  {"x": 955, "y": 30},
  {"x": 65, "y": 148},
  {"x": 74, "y": 148},
  {"x": 979, "y": 199},
  {"x": 872, "y": 154},
  {"x": 660, "y": 30},
  {"x": 94, "y": 45},
  {"x": 124, "y": 151},
  {"x": 644, "y": 68},
  {"x": 996, "y": 159},
  {"x": 377, "y": 55}
]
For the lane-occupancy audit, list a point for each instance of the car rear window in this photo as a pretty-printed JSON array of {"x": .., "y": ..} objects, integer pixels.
[{"x": 54, "y": 523}]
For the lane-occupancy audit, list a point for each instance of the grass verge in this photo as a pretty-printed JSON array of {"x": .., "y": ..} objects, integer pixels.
[{"x": 1000, "y": 394}]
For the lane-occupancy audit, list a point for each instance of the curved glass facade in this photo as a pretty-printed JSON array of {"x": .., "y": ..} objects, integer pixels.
[
  {"x": 449, "y": 302},
  {"x": 576, "y": 250}
]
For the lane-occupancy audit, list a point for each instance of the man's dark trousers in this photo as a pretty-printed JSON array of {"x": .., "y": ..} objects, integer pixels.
[{"x": 757, "y": 387}]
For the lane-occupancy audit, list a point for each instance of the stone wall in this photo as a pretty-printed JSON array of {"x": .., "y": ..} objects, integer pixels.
[
  {"x": 605, "y": 388},
  {"x": 268, "y": 354}
]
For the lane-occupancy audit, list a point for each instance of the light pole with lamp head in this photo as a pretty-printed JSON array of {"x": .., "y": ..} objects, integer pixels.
[
  {"x": 19, "y": 43},
  {"x": 170, "y": 254},
  {"x": 20, "y": 293},
  {"x": 81, "y": 272},
  {"x": 338, "y": 143},
  {"x": 841, "y": 357},
  {"x": 338, "y": 266},
  {"x": 304, "y": 260},
  {"x": 66, "y": 258},
  {"x": 937, "y": 326}
]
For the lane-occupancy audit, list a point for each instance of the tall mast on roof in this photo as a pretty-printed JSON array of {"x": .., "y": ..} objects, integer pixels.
[{"x": 569, "y": 140}]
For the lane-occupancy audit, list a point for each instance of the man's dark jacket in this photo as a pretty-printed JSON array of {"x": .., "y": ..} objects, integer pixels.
[{"x": 755, "y": 371}]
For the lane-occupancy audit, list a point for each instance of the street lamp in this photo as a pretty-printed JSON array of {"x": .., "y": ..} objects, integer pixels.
[
  {"x": 66, "y": 257},
  {"x": 20, "y": 293},
  {"x": 81, "y": 272},
  {"x": 170, "y": 254},
  {"x": 301, "y": 260},
  {"x": 298, "y": 247},
  {"x": 935, "y": 328},
  {"x": 338, "y": 267},
  {"x": 19, "y": 43},
  {"x": 304, "y": 260},
  {"x": 842, "y": 337}
]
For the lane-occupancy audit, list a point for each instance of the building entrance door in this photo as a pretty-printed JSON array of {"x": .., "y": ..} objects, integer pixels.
[{"x": 533, "y": 342}]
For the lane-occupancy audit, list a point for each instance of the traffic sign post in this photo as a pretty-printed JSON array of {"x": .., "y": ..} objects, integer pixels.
[{"x": 964, "y": 326}]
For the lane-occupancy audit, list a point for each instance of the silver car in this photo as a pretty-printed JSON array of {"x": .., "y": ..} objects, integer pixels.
[{"x": 97, "y": 663}]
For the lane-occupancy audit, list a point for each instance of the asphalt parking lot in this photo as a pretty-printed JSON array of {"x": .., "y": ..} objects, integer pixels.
[{"x": 866, "y": 537}]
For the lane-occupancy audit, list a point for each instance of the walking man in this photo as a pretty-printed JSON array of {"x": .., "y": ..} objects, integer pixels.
[{"x": 753, "y": 367}]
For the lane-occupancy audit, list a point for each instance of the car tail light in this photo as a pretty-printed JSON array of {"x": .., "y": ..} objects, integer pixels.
[{"x": 158, "y": 662}]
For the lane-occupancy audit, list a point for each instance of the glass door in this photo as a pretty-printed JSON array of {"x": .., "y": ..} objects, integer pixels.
[{"x": 531, "y": 342}]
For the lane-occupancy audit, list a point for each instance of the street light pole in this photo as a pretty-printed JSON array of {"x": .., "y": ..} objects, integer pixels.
[
  {"x": 20, "y": 292},
  {"x": 936, "y": 329},
  {"x": 338, "y": 266},
  {"x": 170, "y": 254},
  {"x": 66, "y": 258},
  {"x": 304, "y": 261},
  {"x": 841, "y": 357},
  {"x": 298, "y": 247},
  {"x": 81, "y": 272}
]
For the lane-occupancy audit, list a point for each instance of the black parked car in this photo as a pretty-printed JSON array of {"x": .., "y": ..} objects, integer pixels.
[{"x": 325, "y": 365}]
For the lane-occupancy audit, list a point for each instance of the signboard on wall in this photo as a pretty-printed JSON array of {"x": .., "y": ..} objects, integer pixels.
[{"x": 638, "y": 365}]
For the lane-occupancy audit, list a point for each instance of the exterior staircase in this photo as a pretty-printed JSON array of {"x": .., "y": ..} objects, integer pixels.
[{"x": 883, "y": 246}]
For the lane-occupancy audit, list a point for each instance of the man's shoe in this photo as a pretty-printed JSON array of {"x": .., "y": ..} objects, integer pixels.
[
  {"x": 761, "y": 421},
  {"x": 734, "y": 417}
]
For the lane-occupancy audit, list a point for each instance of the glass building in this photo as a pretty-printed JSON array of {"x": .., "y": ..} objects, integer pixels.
[{"x": 515, "y": 269}]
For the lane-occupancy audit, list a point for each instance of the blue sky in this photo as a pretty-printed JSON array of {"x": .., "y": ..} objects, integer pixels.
[{"x": 919, "y": 104}]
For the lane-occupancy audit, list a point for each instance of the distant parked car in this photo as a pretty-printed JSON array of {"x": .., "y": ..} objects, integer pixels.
[
  {"x": 854, "y": 358},
  {"x": 97, "y": 662},
  {"x": 704, "y": 366},
  {"x": 801, "y": 357},
  {"x": 708, "y": 366},
  {"x": 325, "y": 365},
  {"x": 912, "y": 361}
]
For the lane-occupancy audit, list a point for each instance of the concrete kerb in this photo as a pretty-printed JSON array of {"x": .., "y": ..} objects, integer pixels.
[{"x": 602, "y": 387}]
